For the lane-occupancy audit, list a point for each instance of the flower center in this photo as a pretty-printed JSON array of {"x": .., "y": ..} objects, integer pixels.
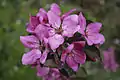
[
  {"x": 42, "y": 47},
  {"x": 70, "y": 55},
  {"x": 86, "y": 33},
  {"x": 59, "y": 31}
]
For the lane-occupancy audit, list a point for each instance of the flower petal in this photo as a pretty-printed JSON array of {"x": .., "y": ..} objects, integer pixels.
[
  {"x": 44, "y": 56},
  {"x": 42, "y": 71},
  {"x": 71, "y": 63},
  {"x": 42, "y": 31},
  {"x": 70, "y": 25},
  {"x": 109, "y": 60},
  {"x": 70, "y": 47},
  {"x": 89, "y": 42},
  {"x": 66, "y": 51},
  {"x": 55, "y": 8},
  {"x": 34, "y": 21},
  {"x": 51, "y": 31},
  {"x": 29, "y": 41},
  {"x": 94, "y": 27},
  {"x": 42, "y": 14},
  {"x": 55, "y": 41},
  {"x": 106, "y": 59},
  {"x": 79, "y": 55},
  {"x": 31, "y": 57},
  {"x": 63, "y": 56},
  {"x": 96, "y": 38},
  {"x": 101, "y": 39},
  {"x": 79, "y": 45},
  {"x": 68, "y": 13},
  {"x": 82, "y": 22},
  {"x": 54, "y": 19}
]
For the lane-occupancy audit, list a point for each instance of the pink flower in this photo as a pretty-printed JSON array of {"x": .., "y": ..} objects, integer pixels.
[
  {"x": 91, "y": 32},
  {"x": 109, "y": 60},
  {"x": 60, "y": 28},
  {"x": 74, "y": 55},
  {"x": 40, "y": 18},
  {"x": 35, "y": 54},
  {"x": 38, "y": 24}
]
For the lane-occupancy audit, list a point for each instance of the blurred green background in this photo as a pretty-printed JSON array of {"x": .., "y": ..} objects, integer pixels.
[{"x": 15, "y": 13}]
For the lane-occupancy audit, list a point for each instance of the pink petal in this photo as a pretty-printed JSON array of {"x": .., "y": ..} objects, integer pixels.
[
  {"x": 51, "y": 31},
  {"x": 66, "y": 51},
  {"x": 70, "y": 25},
  {"x": 82, "y": 22},
  {"x": 79, "y": 56},
  {"x": 109, "y": 60},
  {"x": 96, "y": 38},
  {"x": 79, "y": 45},
  {"x": 34, "y": 21},
  {"x": 44, "y": 56},
  {"x": 42, "y": 71},
  {"x": 71, "y": 63},
  {"x": 55, "y": 8},
  {"x": 42, "y": 14},
  {"x": 54, "y": 19},
  {"x": 30, "y": 28},
  {"x": 64, "y": 55},
  {"x": 106, "y": 59},
  {"x": 68, "y": 13},
  {"x": 89, "y": 42},
  {"x": 29, "y": 41},
  {"x": 42, "y": 31},
  {"x": 55, "y": 41},
  {"x": 101, "y": 39},
  {"x": 41, "y": 11},
  {"x": 70, "y": 47},
  {"x": 93, "y": 34},
  {"x": 31, "y": 57},
  {"x": 94, "y": 27},
  {"x": 45, "y": 41}
]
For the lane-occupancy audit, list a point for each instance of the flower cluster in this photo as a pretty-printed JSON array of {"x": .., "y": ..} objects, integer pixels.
[{"x": 60, "y": 39}]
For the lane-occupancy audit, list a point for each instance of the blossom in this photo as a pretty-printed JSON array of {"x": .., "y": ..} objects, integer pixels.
[
  {"x": 74, "y": 55},
  {"x": 34, "y": 21},
  {"x": 51, "y": 32},
  {"x": 91, "y": 32},
  {"x": 35, "y": 54},
  {"x": 60, "y": 28},
  {"x": 109, "y": 60}
]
